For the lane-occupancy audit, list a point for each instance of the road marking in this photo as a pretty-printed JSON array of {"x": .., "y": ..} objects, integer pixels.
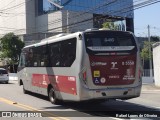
[
  {"x": 115, "y": 118},
  {"x": 26, "y": 107}
]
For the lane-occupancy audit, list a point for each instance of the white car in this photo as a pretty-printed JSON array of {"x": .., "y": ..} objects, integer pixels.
[{"x": 4, "y": 77}]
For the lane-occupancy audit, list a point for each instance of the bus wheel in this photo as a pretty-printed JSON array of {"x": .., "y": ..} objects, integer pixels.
[
  {"x": 24, "y": 90},
  {"x": 52, "y": 96}
]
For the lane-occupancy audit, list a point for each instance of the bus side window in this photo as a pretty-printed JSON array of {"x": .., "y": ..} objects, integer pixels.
[
  {"x": 29, "y": 57},
  {"x": 68, "y": 52},
  {"x": 22, "y": 60},
  {"x": 43, "y": 56},
  {"x": 54, "y": 50},
  {"x": 62, "y": 54}
]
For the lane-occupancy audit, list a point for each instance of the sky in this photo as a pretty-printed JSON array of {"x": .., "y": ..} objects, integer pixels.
[{"x": 145, "y": 16}]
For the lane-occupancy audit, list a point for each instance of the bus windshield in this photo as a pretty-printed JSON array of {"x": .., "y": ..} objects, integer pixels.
[{"x": 109, "y": 41}]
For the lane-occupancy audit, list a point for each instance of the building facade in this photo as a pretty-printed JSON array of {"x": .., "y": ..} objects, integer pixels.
[{"x": 34, "y": 20}]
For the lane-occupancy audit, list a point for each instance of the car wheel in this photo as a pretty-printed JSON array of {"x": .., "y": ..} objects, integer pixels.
[{"x": 6, "y": 82}]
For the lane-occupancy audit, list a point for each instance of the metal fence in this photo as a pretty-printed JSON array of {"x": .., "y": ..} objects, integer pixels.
[{"x": 146, "y": 72}]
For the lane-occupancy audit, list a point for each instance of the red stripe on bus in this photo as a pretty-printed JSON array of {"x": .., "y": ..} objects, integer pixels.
[{"x": 66, "y": 84}]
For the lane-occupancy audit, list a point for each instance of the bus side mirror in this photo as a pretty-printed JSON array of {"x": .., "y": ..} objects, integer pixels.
[{"x": 80, "y": 36}]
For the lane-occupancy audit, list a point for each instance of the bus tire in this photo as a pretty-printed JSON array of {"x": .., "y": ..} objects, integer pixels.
[
  {"x": 24, "y": 90},
  {"x": 52, "y": 96}
]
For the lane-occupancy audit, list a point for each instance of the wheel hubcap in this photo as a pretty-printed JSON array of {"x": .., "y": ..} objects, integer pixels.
[{"x": 51, "y": 95}]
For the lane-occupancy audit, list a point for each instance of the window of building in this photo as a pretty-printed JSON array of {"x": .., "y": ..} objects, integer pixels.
[{"x": 44, "y": 6}]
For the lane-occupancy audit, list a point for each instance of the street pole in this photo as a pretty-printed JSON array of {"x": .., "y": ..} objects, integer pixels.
[
  {"x": 150, "y": 61},
  {"x": 67, "y": 22}
]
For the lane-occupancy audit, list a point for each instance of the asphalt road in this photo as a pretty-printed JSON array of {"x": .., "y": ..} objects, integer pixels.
[{"x": 32, "y": 106}]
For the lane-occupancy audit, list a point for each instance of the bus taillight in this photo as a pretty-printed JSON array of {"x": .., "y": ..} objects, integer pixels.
[{"x": 83, "y": 75}]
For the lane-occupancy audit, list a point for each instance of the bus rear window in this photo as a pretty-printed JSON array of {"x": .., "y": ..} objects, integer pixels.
[
  {"x": 109, "y": 41},
  {"x": 106, "y": 40}
]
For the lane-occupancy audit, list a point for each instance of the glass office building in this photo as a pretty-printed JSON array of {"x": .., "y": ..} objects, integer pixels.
[
  {"x": 121, "y": 8},
  {"x": 118, "y": 11}
]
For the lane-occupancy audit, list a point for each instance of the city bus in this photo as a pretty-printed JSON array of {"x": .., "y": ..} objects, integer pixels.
[{"x": 88, "y": 65}]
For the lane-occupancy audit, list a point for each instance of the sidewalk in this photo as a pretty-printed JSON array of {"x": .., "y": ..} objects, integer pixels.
[
  {"x": 13, "y": 76},
  {"x": 150, "y": 87}
]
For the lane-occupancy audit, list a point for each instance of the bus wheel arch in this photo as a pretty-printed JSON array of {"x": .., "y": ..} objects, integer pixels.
[
  {"x": 24, "y": 90},
  {"x": 20, "y": 82},
  {"x": 51, "y": 95}
]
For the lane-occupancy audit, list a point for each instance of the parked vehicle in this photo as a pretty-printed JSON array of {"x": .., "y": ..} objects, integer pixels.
[{"x": 4, "y": 77}]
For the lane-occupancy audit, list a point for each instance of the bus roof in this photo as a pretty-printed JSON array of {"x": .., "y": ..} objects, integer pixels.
[
  {"x": 66, "y": 36},
  {"x": 55, "y": 38}
]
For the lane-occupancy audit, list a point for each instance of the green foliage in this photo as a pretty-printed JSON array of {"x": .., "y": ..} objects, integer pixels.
[
  {"x": 110, "y": 26},
  {"x": 11, "y": 47},
  {"x": 145, "y": 55},
  {"x": 155, "y": 38}
]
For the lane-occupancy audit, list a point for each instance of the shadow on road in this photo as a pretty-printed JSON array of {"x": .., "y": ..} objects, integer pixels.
[
  {"x": 109, "y": 108},
  {"x": 6, "y": 83}
]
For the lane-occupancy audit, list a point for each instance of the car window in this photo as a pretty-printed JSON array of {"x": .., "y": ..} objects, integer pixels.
[{"x": 3, "y": 72}]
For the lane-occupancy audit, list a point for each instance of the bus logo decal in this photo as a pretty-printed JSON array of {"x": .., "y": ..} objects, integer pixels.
[
  {"x": 98, "y": 63},
  {"x": 71, "y": 78},
  {"x": 43, "y": 77},
  {"x": 114, "y": 65},
  {"x": 57, "y": 79},
  {"x": 96, "y": 73}
]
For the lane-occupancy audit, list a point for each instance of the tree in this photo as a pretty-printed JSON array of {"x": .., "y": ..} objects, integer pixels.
[
  {"x": 11, "y": 47},
  {"x": 145, "y": 54},
  {"x": 110, "y": 26},
  {"x": 155, "y": 38},
  {"x": 145, "y": 51}
]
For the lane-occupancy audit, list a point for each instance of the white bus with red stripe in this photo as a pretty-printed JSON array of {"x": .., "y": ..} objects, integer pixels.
[{"x": 89, "y": 65}]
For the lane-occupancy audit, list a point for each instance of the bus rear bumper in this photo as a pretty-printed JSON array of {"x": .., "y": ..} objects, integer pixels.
[{"x": 112, "y": 93}]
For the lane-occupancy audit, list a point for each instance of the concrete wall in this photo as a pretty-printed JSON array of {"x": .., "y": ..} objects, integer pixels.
[
  {"x": 156, "y": 64},
  {"x": 52, "y": 21},
  {"x": 58, "y": 21},
  {"x": 148, "y": 80},
  {"x": 19, "y": 16},
  {"x": 77, "y": 21},
  {"x": 13, "y": 76},
  {"x": 13, "y": 16},
  {"x": 30, "y": 17}
]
